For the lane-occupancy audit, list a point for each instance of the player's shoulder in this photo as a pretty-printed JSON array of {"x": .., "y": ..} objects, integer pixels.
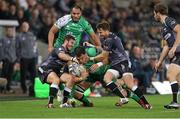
[
  {"x": 113, "y": 36},
  {"x": 170, "y": 21},
  {"x": 83, "y": 21},
  {"x": 66, "y": 17}
]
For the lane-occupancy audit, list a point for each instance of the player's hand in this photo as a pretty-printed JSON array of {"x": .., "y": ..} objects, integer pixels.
[
  {"x": 74, "y": 59},
  {"x": 157, "y": 66},
  {"x": 84, "y": 74},
  {"x": 94, "y": 67},
  {"x": 172, "y": 52},
  {"x": 87, "y": 44},
  {"x": 50, "y": 49}
]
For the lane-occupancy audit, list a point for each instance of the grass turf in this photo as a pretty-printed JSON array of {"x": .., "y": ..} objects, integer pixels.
[{"x": 104, "y": 108}]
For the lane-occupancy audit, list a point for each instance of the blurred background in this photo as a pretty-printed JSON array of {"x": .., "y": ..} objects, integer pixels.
[{"x": 131, "y": 20}]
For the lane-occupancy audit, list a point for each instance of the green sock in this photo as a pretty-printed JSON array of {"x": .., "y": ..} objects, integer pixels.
[
  {"x": 61, "y": 86},
  {"x": 133, "y": 96},
  {"x": 85, "y": 101}
]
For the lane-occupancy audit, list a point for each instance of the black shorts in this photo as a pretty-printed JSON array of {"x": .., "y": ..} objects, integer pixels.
[
  {"x": 44, "y": 71},
  {"x": 176, "y": 59},
  {"x": 122, "y": 67}
]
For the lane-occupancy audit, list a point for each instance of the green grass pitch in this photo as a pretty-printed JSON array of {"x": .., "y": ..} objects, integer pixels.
[{"x": 103, "y": 108}]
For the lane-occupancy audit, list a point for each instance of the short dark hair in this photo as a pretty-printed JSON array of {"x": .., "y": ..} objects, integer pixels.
[
  {"x": 161, "y": 8},
  {"x": 80, "y": 50},
  {"x": 76, "y": 6},
  {"x": 103, "y": 25},
  {"x": 69, "y": 37}
]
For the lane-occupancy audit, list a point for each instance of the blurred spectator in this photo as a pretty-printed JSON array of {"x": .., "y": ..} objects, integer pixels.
[
  {"x": 35, "y": 22},
  {"x": 137, "y": 68},
  {"x": 27, "y": 53},
  {"x": 9, "y": 56},
  {"x": 4, "y": 13},
  {"x": 43, "y": 31}
]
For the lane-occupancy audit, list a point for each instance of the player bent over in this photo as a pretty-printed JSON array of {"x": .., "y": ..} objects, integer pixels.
[
  {"x": 83, "y": 56},
  {"x": 49, "y": 71},
  {"x": 119, "y": 61}
]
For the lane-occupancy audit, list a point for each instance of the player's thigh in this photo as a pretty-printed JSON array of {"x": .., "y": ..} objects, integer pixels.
[
  {"x": 173, "y": 71},
  {"x": 53, "y": 78},
  {"x": 84, "y": 84},
  {"x": 65, "y": 77}
]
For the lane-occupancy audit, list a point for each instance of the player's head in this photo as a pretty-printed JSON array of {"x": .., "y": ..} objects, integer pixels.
[
  {"x": 25, "y": 27},
  {"x": 159, "y": 10},
  {"x": 81, "y": 55},
  {"x": 69, "y": 42},
  {"x": 76, "y": 13},
  {"x": 103, "y": 29}
]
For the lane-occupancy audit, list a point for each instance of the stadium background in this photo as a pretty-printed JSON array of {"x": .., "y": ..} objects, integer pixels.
[{"x": 131, "y": 20}]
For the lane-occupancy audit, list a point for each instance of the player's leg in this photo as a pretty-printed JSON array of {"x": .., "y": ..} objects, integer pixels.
[
  {"x": 108, "y": 79},
  {"x": 172, "y": 75},
  {"x": 69, "y": 82},
  {"x": 129, "y": 81},
  {"x": 54, "y": 81},
  {"x": 128, "y": 93},
  {"x": 79, "y": 93}
]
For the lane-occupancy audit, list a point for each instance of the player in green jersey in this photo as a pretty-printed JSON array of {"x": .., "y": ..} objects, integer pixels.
[
  {"x": 72, "y": 24},
  {"x": 83, "y": 56}
]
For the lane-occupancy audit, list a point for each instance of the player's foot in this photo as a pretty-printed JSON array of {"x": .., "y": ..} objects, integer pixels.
[
  {"x": 72, "y": 102},
  {"x": 147, "y": 106},
  {"x": 172, "y": 105},
  {"x": 65, "y": 105},
  {"x": 50, "y": 106},
  {"x": 122, "y": 101},
  {"x": 85, "y": 105},
  {"x": 144, "y": 105}
]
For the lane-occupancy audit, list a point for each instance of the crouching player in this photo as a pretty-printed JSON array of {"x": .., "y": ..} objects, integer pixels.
[
  {"x": 83, "y": 56},
  {"x": 49, "y": 71},
  {"x": 119, "y": 61}
]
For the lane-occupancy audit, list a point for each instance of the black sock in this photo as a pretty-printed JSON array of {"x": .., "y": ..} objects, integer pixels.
[
  {"x": 66, "y": 94},
  {"x": 114, "y": 88},
  {"x": 139, "y": 93},
  {"x": 52, "y": 93},
  {"x": 175, "y": 89}
]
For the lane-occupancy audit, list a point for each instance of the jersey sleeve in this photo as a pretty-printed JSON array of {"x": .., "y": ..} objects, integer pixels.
[
  {"x": 63, "y": 21},
  {"x": 170, "y": 22},
  {"x": 87, "y": 27}
]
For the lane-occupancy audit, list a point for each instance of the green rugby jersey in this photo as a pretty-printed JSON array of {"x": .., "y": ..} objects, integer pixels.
[
  {"x": 68, "y": 27},
  {"x": 100, "y": 71}
]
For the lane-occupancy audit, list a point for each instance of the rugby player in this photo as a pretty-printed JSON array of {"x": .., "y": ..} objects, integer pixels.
[
  {"x": 171, "y": 38},
  {"x": 119, "y": 62},
  {"x": 49, "y": 71}
]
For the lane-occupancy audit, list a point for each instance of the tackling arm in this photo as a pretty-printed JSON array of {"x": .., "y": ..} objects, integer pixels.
[{"x": 51, "y": 35}]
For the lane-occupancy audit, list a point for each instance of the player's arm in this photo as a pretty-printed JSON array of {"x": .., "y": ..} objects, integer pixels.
[
  {"x": 95, "y": 39},
  {"x": 177, "y": 30},
  {"x": 63, "y": 56},
  {"x": 163, "y": 55},
  {"x": 93, "y": 36},
  {"x": 54, "y": 29},
  {"x": 102, "y": 56}
]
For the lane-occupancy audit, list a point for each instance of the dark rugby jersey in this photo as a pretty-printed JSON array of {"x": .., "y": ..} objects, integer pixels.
[
  {"x": 53, "y": 61},
  {"x": 168, "y": 34},
  {"x": 113, "y": 45}
]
